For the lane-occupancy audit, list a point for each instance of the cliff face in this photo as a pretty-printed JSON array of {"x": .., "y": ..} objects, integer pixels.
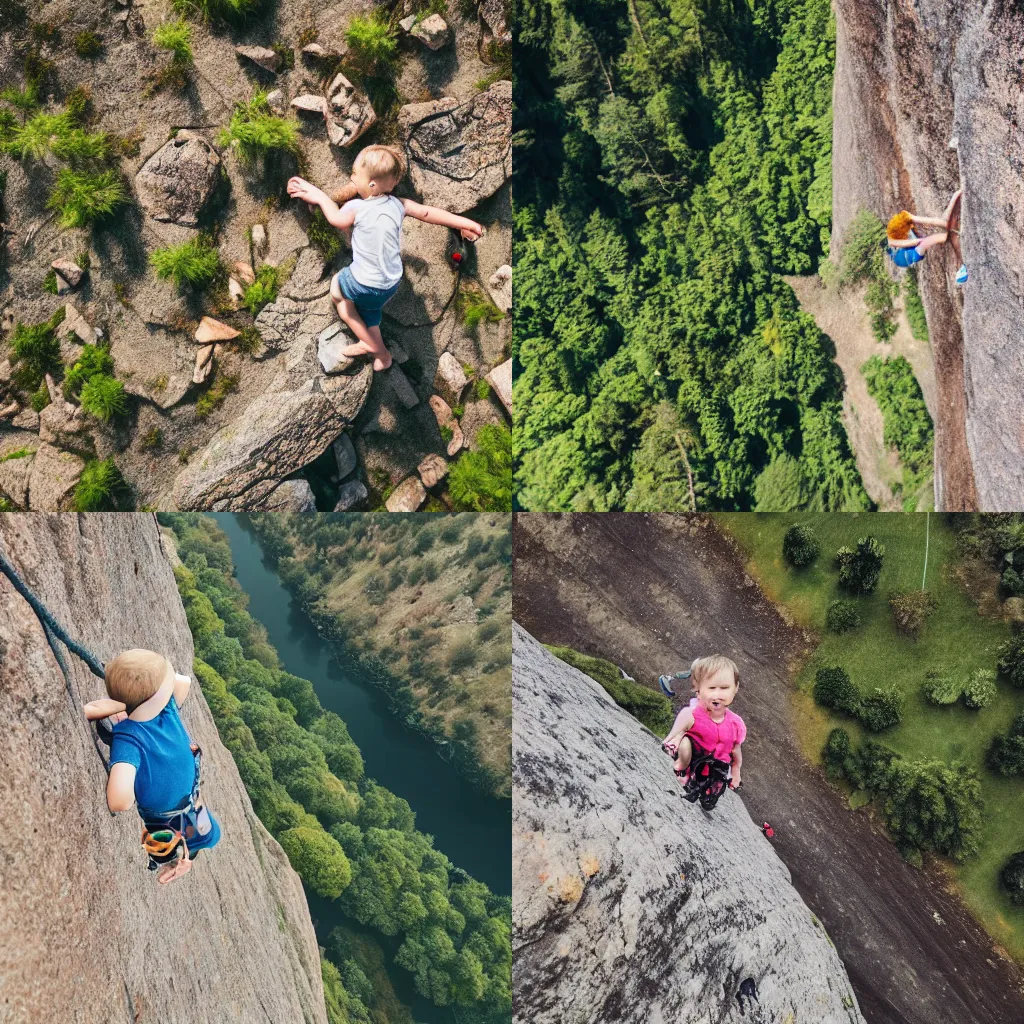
[
  {"x": 86, "y": 934},
  {"x": 631, "y": 904},
  {"x": 912, "y": 76}
]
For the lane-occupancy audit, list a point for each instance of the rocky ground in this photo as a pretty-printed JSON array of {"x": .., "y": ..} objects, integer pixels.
[{"x": 217, "y": 424}]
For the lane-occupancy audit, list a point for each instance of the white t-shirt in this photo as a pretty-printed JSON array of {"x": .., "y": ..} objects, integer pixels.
[{"x": 377, "y": 241}]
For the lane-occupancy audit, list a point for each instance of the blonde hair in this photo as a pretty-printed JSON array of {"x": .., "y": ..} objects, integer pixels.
[
  {"x": 134, "y": 676},
  {"x": 386, "y": 162},
  {"x": 705, "y": 668},
  {"x": 900, "y": 225}
]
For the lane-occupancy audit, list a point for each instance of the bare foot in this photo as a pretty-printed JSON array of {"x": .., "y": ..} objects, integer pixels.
[
  {"x": 170, "y": 873},
  {"x": 360, "y": 348},
  {"x": 379, "y": 364}
]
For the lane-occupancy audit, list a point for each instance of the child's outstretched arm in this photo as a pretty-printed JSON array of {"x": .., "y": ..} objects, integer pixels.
[
  {"x": 121, "y": 786},
  {"x": 737, "y": 762},
  {"x": 469, "y": 229},
  {"x": 97, "y": 709},
  {"x": 904, "y": 243},
  {"x": 299, "y": 188}
]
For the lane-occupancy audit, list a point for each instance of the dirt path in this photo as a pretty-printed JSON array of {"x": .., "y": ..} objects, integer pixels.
[
  {"x": 651, "y": 592},
  {"x": 843, "y": 316}
]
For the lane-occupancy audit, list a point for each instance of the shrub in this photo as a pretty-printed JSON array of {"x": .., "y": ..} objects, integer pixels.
[
  {"x": 462, "y": 656},
  {"x": 263, "y": 290},
  {"x": 481, "y": 481},
  {"x": 907, "y": 422},
  {"x": 870, "y": 767},
  {"x": 833, "y": 689},
  {"x": 836, "y": 752},
  {"x": 909, "y": 610},
  {"x": 100, "y": 486},
  {"x": 257, "y": 133},
  {"x": 882, "y": 709},
  {"x": 1011, "y": 659},
  {"x": 104, "y": 397},
  {"x": 800, "y": 546},
  {"x": 1006, "y": 755},
  {"x": 84, "y": 198},
  {"x": 195, "y": 262},
  {"x": 1012, "y": 878},
  {"x": 175, "y": 36},
  {"x": 372, "y": 43},
  {"x": 842, "y": 616},
  {"x": 35, "y": 352},
  {"x": 319, "y": 859},
  {"x": 914, "y": 306},
  {"x": 95, "y": 359},
  {"x": 980, "y": 689},
  {"x": 942, "y": 689},
  {"x": 863, "y": 259},
  {"x": 88, "y": 44},
  {"x": 860, "y": 568}
]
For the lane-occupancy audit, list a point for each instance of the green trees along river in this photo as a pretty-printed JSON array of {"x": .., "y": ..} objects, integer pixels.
[{"x": 672, "y": 160}]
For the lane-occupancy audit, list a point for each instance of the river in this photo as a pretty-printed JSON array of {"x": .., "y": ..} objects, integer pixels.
[{"x": 473, "y": 830}]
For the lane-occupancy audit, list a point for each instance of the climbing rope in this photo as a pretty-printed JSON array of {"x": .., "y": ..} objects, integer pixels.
[{"x": 55, "y": 636}]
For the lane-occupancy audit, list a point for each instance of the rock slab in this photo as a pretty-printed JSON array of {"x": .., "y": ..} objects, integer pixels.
[
  {"x": 175, "y": 182},
  {"x": 408, "y": 496}
]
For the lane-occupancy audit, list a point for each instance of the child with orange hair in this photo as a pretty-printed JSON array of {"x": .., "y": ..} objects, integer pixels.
[{"x": 906, "y": 247}]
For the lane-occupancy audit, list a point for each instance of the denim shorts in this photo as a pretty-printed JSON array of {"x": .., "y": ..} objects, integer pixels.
[{"x": 369, "y": 301}]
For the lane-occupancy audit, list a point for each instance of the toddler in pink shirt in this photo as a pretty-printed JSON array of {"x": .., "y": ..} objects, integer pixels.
[{"x": 707, "y": 724}]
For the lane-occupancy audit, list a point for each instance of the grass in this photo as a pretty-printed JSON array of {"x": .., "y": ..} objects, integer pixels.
[
  {"x": 248, "y": 341},
  {"x": 26, "y": 98},
  {"x": 152, "y": 440},
  {"x": 175, "y": 36},
  {"x": 35, "y": 352},
  {"x": 50, "y": 282},
  {"x": 373, "y": 44},
  {"x": 195, "y": 262},
  {"x": 18, "y": 453},
  {"x": 100, "y": 487},
  {"x": 325, "y": 239},
  {"x": 95, "y": 359},
  {"x": 499, "y": 55},
  {"x": 257, "y": 133},
  {"x": 104, "y": 397},
  {"x": 88, "y": 44},
  {"x": 956, "y": 638},
  {"x": 211, "y": 399},
  {"x": 477, "y": 309},
  {"x": 863, "y": 259},
  {"x": 263, "y": 290},
  {"x": 914, "y": 306},
  {"x": 83, "y": 198}
]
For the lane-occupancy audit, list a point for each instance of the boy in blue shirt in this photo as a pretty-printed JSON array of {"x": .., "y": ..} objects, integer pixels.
[{"x": 152, "y": 762}]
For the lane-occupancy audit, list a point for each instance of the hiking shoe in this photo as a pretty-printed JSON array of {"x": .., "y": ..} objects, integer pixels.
[
  {"x": 663, "y": 682},
  {"x": 961, "y": 274}
]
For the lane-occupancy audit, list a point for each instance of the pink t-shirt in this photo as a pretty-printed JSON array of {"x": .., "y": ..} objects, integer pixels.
[{"x": 718, "y": 738}]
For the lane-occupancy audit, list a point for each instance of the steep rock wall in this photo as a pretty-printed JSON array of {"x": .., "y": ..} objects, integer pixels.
[
  {"x": 629, "y": 903},
  {"x": 86, "y": 934},
  {"x": 911, "y": 77}
]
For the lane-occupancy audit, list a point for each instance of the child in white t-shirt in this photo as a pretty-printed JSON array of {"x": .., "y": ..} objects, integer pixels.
[{"x": 373, "y": 224}]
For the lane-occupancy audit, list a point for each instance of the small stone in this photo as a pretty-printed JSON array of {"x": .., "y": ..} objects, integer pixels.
[
  {"x": 54, "y": 475},
  {"x": 9, "y": 410},
  {"x": 75, "y": 323},
  {"x": 213, "y": 330},
  {"x": 433, "y": 32},
  {"x": 276, "y": 101},
  {"x": 350, "y": 495},
  {"x": 446, "y": 418},
  {"x": 236, "y": 291},
  {"x": 328, "y": 352},
  {"x": 432, "y": 470},
  {"x": 63, "y": 288},
  {"x": 310, "y": 104},
  {"x": 69, "y": 270},
  {"x": 258, "y": 234},
  {"x": 175, "y": 183},
  {"x": 406, "y": 24},
  {"x": 218, "y": 350},
  {"x": 500, "y": 287},
  {"x": 500, "y": 378},
  {"x": 27, "y": 419},
  {"x": 450, "y": 379},
  {"x": 345, "y": 456},
  {"x": 314, "y": 50},
  {"x": 407, "y": 496},
  {"x": 404, "y": 391},
  {"x": 266, "y": 58},
  {"x": 204, "y": 364},
  {"x": 245, "y": 273}
]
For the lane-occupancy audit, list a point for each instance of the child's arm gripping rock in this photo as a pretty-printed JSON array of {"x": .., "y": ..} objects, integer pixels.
[
  {"x": 737, "y": 762},
  {"x": 97, "y": 709},
  {"x": 299, "y": 188},
  {"x": 469, "y": 229}
]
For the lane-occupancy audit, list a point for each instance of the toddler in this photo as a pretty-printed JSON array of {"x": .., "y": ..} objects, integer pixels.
[
  {"x": 152, "y": 760},
  {"x": 373, "y": 224},
  {"x": 907, "y": 247}
]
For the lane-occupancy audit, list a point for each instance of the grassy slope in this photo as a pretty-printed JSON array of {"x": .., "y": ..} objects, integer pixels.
[
  {"x": 429, "y": 607},
  {"x": 956, "y": 637}
]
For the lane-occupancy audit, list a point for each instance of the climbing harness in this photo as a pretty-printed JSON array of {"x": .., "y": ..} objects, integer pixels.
[
  {"x": 707, "y": 779},
  {"x": 56, "y": 635},
  {"x": 167, "y": 834}
]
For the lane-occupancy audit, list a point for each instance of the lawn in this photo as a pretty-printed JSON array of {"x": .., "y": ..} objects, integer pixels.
[{"x": 954, "y": 638}]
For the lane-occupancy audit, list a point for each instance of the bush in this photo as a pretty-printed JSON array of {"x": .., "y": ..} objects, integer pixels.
[
  {"x": 941, "y": 689},
  {"x": 319, "y": 860},
  {"x": 88, "y": 44},
  {"x": 842, "y": 616},
  {"x": 462, "y": 656},
  {"x": 907, "y": 422},
  {"x": 195, "y": 262},
  {"x": 104, "y": 397},
  {"x": 882, "y": 709},
  {"x": 372, "y": 44},
  {"x": 263, "y": 290},
  {"x": 860, "y": 568},
  {"x": 1006, "y": 755},
  {"x": 870, "y": 767},
  {"x": 256, "y": 133},
  {"x": 481, "y": 481},
  {"x": 83, "y": 198},
  {"x": 836, "y": 752},
  {"x": 909, "y": 610},
  {"x": 1011, "y": 659},
  {"x": 800, "y": 546},
  {"x": 35, "y": 352},
  {"x": 833, "y": 689},
  {"x": 1012, "y": 878},
  {"x": 980, "y": 690},
  {"x": 914, "y": 306},
  {"x": 100, "y": 486},
  {"x": 175, "y": 36},
  {"x": 95, "y": 359}
]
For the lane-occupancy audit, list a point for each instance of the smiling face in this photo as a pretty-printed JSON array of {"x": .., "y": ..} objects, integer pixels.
[{"x": 717, "y": 691}]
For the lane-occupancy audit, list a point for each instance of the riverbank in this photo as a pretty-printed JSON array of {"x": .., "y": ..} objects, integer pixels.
[{"x": 422, "y": 605}]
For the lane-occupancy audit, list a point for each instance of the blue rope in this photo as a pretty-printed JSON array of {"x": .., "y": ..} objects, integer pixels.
[{"x": 56, "y": 635}]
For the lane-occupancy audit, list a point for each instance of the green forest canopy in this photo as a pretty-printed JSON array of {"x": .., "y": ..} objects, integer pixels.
[
  {"x": 350, "y": 839},
  {"x": 650, "y": 311}
]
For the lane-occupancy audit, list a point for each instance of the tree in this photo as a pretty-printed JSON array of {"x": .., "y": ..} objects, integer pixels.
[
  {"x": 782, "y": 487},
  {"x": 800, "y": 546},
  {"x": 980, "y": 690},
  {"x": 860, "y": 568},
  {"x": 882, "y": 709},
  {"x": 842, "y": 616},
  {"x": 833, "y": 689},
  {"x": 319, "y": 860},
  {"x": 836, "y": 752},
  {"x": 1006, "y": 755},
  {"x": 1011, "y": 659},
  {"x": 1012, "y": 878},
  {"x": 941, "y": 688},
  {"x": 909, "y": 610}
]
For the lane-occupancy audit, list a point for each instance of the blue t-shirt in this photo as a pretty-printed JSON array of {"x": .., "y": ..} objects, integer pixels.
[{"x": 161, "y": 752}]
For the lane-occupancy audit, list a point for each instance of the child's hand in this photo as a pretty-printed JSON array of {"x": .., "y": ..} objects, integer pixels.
[
  {"x": 299, "y": 188},
  {"x": 473, "y": 233},
  {"x": 736, "y": 781}
]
